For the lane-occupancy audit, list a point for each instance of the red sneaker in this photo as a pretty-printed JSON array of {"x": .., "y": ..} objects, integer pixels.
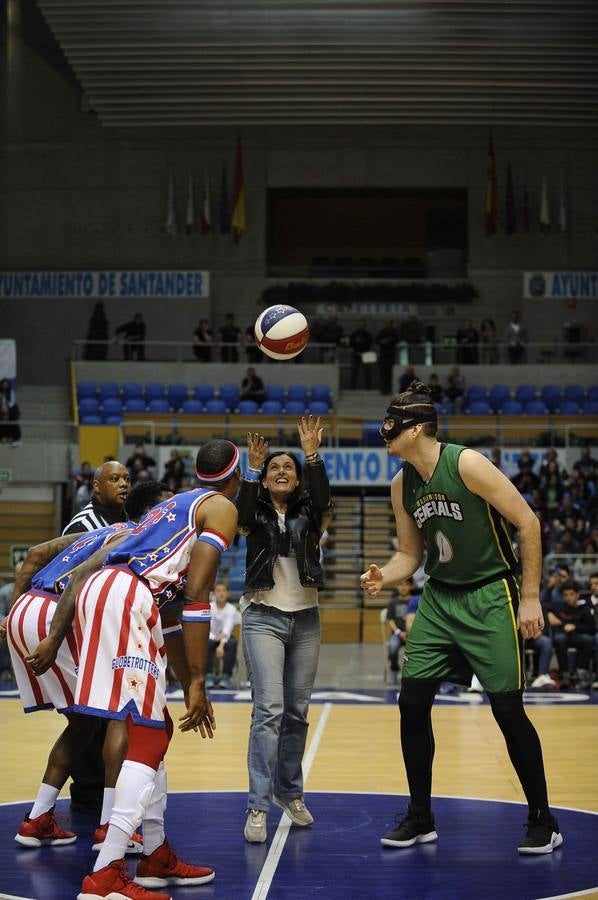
[
  {"x": 114, "y": 881},
  {"x": 135, "y": 845},
  {"x": 162, "y": 867},
  {"x": 43, "y": 831}
]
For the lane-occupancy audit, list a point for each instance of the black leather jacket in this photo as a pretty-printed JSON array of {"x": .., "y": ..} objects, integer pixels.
[{"x": 307, "y": 515}]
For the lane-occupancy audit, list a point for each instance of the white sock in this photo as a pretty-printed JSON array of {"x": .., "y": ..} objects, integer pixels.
[
  {"x": 153, "y": 821},
  {"x": 45, "y": 800},
  {"x": 132, "y": 796},
  {"x": 107, "y": 804}
]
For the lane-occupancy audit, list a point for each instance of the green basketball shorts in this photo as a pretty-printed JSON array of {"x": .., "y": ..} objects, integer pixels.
[{"x": 457, "y": 633}]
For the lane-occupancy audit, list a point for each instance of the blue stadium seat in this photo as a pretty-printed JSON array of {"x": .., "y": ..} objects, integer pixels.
[
  {"x": 154, "y": 391},
  {"x": 132, "y": 391},
  {"x": 135, "y": 405},
  {"x": 113, "y": 420},
  {"x": 318, "y": 407},
  {"x": 295, "y": 408},
  {"x": 569, "y": 408},
  {"x": 247, "y": 408},
  {"x": 176, "y": 395},
  {"x": 574, "y": 392},
  {"x": 109, "y": 389},
  {"x": 158, "y": 405},
  {"x": 297, "y": 392},
  {"x": 229, "y": 393},
  {"x": 525, "y": 393},
  {"x": 497, "y": 395},
  {"x": 551, "y": 395},
  {"x": 444, "y": 409},
  {"x": 86, "y": 389},
  {"x": 91, "y": 420},
  {"x": 512, "y": 408},
  {"x": 112, "y": 406},
  {"x": 215, "y": 407},
  {"x": 89, "y": 406},
  {"x": 535, "y": 408},
  {"x": 203, "y": 392},
  {"x": 271, "y": 407},
  {"x": 590, "y": 407},
  {"x": 593, "y": 393},
  {"x": 275, "y": 392},
  {"x": 475, "y": 392},
  {"x": 479, "y": 408},
  {"x": 192, "y": 406},
  {"x": 321, "y": 392}
]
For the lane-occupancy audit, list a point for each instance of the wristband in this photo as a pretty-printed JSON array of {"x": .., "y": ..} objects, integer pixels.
[
  {"x": 312, "y": 458},
  {"x": 252, "y": 475}
]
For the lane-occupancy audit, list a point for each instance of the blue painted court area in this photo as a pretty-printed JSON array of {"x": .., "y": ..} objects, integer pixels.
[{"x": 340, "y": 858}]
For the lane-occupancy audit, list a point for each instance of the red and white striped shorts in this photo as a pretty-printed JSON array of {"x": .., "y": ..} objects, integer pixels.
[
  {"x": 28, "y": 623},
  {"x": 122, "y": 658}
]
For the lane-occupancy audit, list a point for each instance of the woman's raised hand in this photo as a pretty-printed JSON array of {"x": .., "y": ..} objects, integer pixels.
[
  {"x": 257, "y": 450},
  {"x": 310, "y": 434}
]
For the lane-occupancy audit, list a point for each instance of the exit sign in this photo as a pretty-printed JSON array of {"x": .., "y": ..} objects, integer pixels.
[{"x": 5, "y": 475}]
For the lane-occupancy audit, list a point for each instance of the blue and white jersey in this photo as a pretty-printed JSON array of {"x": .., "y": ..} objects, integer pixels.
[
  {"x": 55, "y": 576},
  {"x": 159, "y": 548}
]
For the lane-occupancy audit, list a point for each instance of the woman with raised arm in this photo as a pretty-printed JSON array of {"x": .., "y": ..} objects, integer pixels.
[{"x": 283, "y": 510}]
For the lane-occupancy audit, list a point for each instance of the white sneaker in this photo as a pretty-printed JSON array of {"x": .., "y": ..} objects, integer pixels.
[
  {"x": 542, "y": 681},
  {"x": 255, "y": 826},
  {"x": 296, "y": 810}
]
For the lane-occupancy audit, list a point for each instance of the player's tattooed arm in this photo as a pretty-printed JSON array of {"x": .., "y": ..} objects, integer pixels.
[{"x": 38, "y": 557}]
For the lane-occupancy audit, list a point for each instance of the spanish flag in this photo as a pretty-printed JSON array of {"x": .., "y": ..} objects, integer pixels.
[
  {"x": 491, "y": 191},
  {"x": 239, "y": 221}
]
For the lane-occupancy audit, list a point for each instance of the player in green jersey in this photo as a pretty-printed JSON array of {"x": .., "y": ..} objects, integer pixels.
[{"x": 472, "y": 618}]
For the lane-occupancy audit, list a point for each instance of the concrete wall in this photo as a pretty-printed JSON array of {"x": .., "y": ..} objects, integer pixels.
[{"x": 74, "y": 195}]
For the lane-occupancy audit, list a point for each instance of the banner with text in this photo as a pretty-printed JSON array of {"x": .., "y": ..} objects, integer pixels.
[
  {"x": 562, "y": 285},
  {"x": 103, "y": 284}
]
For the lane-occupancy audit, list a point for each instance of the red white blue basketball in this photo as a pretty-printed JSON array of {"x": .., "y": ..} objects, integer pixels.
[{"x": 281, "y": 331}]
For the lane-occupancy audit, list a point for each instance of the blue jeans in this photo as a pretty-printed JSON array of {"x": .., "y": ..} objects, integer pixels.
[
  {"x": 543, "y": 646},
  {"x": 281, "y": 652}
]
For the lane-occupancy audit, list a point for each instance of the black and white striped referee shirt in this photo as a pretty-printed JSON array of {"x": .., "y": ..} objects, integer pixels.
[{"x": 93, "y": 515}]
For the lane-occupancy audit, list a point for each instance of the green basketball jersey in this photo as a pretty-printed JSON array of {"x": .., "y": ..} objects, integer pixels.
[{"x": 467, "y": 540}]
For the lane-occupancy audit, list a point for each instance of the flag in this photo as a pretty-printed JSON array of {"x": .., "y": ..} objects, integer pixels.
[
  {"x": 544, "y": 208},
  {"x": 525, "y": 217},
  {"x": 206, "y": 205},
  {"x": 510, "y": 215},
  {"x": 224, "y": 215},
  {"x": 190, "y": 216},
  {"x": 238, "y": 221},
  {"x": 170, "y": 226},
  {"x": 562, "y": 211},
  {"x": 491, "y": 195}
]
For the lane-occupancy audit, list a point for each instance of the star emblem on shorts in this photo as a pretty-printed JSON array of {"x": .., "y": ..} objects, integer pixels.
[
  {"x": 134, "y": 683},
  {"x": 139, "y": 645},
  {"x": 170, "y": 517}
]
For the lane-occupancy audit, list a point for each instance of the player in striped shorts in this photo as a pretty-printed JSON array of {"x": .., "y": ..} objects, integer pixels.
[{"x": 115, "y": 600}]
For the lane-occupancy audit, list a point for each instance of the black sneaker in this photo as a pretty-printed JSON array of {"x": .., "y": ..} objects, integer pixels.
[
  {"x": 543, "y": 833},
  {"x": 412, "y": 829}
]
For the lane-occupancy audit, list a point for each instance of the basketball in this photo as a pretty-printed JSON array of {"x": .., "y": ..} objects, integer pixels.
[{"x": 281, "y": 332}]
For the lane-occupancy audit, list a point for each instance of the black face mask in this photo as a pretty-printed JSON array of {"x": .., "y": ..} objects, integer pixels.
[{"x": 399, "y": 419}]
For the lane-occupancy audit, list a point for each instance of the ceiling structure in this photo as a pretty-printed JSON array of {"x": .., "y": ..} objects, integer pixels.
[{"x": 355, "y": 62}]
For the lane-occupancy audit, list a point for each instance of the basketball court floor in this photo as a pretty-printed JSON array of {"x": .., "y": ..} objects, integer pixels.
[{"x": 355, "y": 785}]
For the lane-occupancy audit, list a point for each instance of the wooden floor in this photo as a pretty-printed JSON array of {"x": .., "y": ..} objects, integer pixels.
[{"x": 358, "y": 751}]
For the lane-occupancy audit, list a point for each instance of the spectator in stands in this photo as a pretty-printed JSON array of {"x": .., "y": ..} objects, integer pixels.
[
  {"x": 585, "y": 564},
  {"x": 202, "y": 341},
  {"x": 133, "y": 338},
  {"x": 252, "y": 387},
  {"x": 174, "y": 471},
  {"x": 400, "y": 613},
  {"x": 222, "y": 644},
  {"x": 552, "y": 595},
  {"x": 97, "y": 330},
  {"x": 515, "y": 337},
  {"x": 410, "y": 332},
  {"x": 488, "y": 343},
  {"x": 436, "y": 389},
  {"x": 229, "y": 336},
  {"x": 360, "y": 341},
  {"x": 543, "y": 648},
  {"x": 593, "y": 605},
  {"x": 551, "y": 456},
  {"x": 386, "y": 339},
  {"x": 572, "y": 626},
  {"x": 496, "y": 458},
  {"x": 455, "y": 388},
  {"x": 9, "y": 413},
  {"x": 526, "y": 480},
  {"x": 406, "y": 378},
  {"x": 467, "y": 344},
  {"x": 140, "y": 459},
  {"x": 332, "y": 333},
  {"x": 283, "y": 523},
  {"x": 83, "y": 481},
  {"x": 252, "y": 351},
  {"x": 586, "y": 465},
  {"x": 552, "y": 487},
  {"x": 6, "y": 592}
]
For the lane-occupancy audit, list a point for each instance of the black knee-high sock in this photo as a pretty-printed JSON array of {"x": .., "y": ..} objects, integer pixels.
[
  {"x": 523, "y": 745},
  {"x": 417, "y": 739}
]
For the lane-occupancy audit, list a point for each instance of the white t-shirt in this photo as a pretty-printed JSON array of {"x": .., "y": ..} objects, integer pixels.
[
  {"x": 288, "y": 594},
  {"x": 223, "y": 620}
]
